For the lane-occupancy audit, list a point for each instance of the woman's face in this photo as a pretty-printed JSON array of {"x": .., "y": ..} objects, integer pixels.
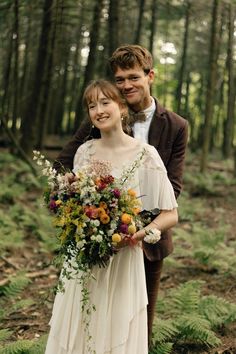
[{"x": 104, "y": 112}]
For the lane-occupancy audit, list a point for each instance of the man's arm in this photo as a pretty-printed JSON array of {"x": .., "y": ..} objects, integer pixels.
[
  {"x": 175, "y": 165},
  {"x": 66, "y": 156}
]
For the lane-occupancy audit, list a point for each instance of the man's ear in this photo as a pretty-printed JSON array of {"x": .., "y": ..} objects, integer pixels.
[{"x": 151, "y": 76}]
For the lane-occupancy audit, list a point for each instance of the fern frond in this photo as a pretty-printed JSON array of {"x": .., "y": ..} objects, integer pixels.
[
  {"x": 19, "y": 347},
  {"x": 5, "y": 334},
  {"x": 196, "y": 329},
  {"x": 22, "y": 304},
  {"x": 16, "y": 285},
  {"x": 186, "y": 297},
  {"x": 162, "y": 348},
  {"x": 164, "y": 330},
  {"x": 216, "y": 310},
  {"x": 39, "y": 346}
]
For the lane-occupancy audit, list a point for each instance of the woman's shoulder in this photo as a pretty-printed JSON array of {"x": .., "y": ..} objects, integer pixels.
[{"x": 152, "y": 157}]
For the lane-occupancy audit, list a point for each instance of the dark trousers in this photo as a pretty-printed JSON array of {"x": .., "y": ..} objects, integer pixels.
[{"x": 153, "y": 276}]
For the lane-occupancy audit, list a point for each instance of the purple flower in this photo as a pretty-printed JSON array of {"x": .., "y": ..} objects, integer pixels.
[
  {"x": 124, "y": 228},
  {"x": 52, "y": 204},
  {"x": 116, "y": 192}
]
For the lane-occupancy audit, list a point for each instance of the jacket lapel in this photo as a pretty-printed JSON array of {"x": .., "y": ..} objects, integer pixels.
[{"x": 157, "y": 125}]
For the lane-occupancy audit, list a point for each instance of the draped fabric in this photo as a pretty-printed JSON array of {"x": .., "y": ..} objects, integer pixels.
[{"x": 119, "y": 323}]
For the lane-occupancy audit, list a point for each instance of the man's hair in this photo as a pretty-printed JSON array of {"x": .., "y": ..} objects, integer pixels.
[{"x": 130, "y": 55}]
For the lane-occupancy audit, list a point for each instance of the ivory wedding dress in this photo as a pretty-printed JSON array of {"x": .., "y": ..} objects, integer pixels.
[{"x": 119, "y": 323}]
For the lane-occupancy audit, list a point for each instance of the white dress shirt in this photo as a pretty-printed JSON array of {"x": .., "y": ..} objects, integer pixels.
[{"x": 141, "y": 129}]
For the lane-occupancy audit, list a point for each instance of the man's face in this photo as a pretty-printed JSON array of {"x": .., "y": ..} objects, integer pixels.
[{"x": 134, "y": 85}]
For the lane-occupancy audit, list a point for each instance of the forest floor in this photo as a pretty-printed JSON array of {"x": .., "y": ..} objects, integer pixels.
[{"x": 32, "y": 322}]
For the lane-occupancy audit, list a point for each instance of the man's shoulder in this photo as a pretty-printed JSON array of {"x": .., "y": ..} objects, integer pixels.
[{"x": 172, "y": 117}]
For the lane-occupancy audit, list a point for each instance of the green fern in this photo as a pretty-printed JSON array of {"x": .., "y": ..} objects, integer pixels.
[
  {"x": 5, "y": 334},
  {"x": 164, "y": 330},
  {"x": 162, "y": 348},
  {"x": 218, "y": 311},
  {"x": 39, "y": 345},
  {"x": 196, "y": 329},
  {"x": 19, "y": 347},
  {"x": 16, "y": 285}
]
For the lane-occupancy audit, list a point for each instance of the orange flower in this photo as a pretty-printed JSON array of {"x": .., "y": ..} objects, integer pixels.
[
  {"x": 101, "y": 211},
  {"x": 132, "y": 193},
  {"x": 104, "y": 218},
  {"x": 126, "y": 218},
  {"x": 136, "y": 210},
  {"x": 103, "y": 205}
]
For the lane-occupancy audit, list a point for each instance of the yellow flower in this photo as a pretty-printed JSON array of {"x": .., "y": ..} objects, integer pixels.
[
  {"x": 104, "y": 218},
  {"x": 136, "y": 210},
  {"x": 58, "y": 202},
  {"x": 116, "y": 238},
  {"x": 126, "y": 218},
  {"x": 132, "y": 193},
  {"x": 132, "y": 229}
]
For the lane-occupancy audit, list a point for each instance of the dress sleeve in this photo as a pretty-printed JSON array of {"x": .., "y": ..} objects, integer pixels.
[
  {"x": 155, "y": 187},
  {"x": 81, "y": 156}
]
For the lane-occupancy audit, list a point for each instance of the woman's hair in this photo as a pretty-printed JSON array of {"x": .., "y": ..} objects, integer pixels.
[
  {"x": 131, "y": 55},
  {"x": 109, "y": 90}
]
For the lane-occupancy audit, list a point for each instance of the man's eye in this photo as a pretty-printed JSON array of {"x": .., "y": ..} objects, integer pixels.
[
  {"x": 119, "y": 81},
  {"x": 134, "y": 78}
]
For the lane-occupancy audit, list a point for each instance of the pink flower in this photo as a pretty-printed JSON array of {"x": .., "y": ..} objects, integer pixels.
[
  {"x": 124, "y": 228},
  {"x": 116, "y": 192}
]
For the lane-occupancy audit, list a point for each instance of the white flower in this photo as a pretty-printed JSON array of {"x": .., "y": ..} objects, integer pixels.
[
  {"x": 80, "y": 244},
  {"x": 152, "y": 236},
  {"x": 99, "y": 238}
]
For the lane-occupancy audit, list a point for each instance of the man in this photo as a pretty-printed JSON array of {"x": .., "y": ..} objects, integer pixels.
[{"x": 132, "y": 67}]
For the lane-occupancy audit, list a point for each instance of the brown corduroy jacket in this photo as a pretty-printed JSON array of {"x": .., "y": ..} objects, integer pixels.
[{"x": 168, "y": 134}]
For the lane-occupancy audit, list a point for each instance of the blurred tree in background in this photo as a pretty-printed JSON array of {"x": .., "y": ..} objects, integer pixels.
[{"x": 51, "y": 49}]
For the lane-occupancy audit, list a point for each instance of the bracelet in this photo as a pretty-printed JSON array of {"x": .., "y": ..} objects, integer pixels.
[{"x": 152, "y": 235}]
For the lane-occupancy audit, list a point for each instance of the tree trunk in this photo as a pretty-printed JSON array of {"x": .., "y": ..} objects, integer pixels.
[
  {"x": 113, "y": 33},
  {"x": 137, "y": 37},
  {"x": 6, "y": 75},
  {"x": 229, "y": 124},
  {"x": 153, "y": 26},
  {"x": 16, "y": 65},
  {"x": 90, "y": 67},
  {"x": 46, "y": 82},
  {"x": 210, "y": 87},
  {"x": 29, "y": 123},
  {"x": 183, "y": 60}
]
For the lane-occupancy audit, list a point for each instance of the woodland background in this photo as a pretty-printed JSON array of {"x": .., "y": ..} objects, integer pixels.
[{"x": 50, "y": 50}]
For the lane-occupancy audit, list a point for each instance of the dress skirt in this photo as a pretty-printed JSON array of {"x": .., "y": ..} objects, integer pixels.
[{"x": 118, "y": 325}]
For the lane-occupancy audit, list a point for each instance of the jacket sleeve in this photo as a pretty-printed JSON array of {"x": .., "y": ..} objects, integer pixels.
[
  {"x": 65, "y": 158},
  {"x": 175, "y": 165}
]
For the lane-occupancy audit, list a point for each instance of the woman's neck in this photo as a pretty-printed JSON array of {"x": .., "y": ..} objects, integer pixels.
[{"x": 114, "y": 139}]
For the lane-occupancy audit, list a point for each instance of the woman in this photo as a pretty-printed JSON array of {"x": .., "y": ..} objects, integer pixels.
[{"x": 119, "y": 323}]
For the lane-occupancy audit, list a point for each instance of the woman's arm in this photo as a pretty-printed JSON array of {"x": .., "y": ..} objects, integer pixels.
[{"x": 164, "y": 221}]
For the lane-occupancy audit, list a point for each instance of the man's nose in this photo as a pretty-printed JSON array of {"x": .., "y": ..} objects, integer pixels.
[{"x": 127, "y": 84}]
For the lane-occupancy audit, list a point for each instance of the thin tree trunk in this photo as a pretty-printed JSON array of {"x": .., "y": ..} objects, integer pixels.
[
  {"x": 16, "y": 65},
  {"x": 113, "y": 33},
  {"x": 183, "y": 59},
  {"x": 210, "y": 87},
  {"x": 229, "y": 124},
  {"x": 137, "y": 37},
  {"x": 90, "y": 67},
  {"x": 30, "y": 119},
  {"x": 153, "y": 26},
  {"x": 6, "y": 75}
]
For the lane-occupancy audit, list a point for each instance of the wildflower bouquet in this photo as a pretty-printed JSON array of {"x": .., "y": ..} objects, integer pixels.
[{"x": 92, "y": 210}]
